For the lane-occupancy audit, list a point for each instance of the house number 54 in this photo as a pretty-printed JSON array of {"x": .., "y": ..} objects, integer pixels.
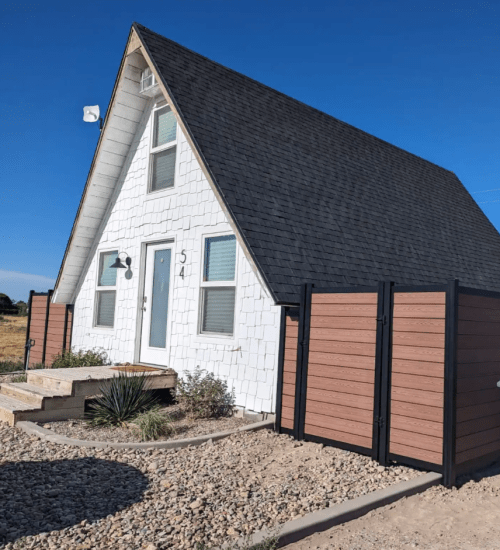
[{"x": 183, "y": 253}]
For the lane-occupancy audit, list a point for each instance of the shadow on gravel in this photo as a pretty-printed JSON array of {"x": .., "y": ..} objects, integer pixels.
[{"x": 37, "y": 497}]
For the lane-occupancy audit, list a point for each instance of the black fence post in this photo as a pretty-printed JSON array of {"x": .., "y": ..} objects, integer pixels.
[
  {"x": 450, "y": 385},
  {"x": 383, "y": 421},
  {"x": 47, "y": 313},
  {"x": 281, "y": 361},
  {"x": 378, "y": 371},
  {"x": 30, "y": 301},
  {"x": 302, "y": 359}
]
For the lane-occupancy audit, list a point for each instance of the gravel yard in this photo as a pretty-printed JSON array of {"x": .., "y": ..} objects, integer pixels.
[
  {"x": 69, "y": 498},
  {"x": 184, "y": 428},
  {"x": 467, "y": 518}
]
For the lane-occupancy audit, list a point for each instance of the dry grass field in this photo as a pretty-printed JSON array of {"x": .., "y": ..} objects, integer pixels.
[{"x": 12, "y": 337}]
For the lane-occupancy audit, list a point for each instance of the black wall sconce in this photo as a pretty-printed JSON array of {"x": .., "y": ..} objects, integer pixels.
[{"x": 118, "y": 265}]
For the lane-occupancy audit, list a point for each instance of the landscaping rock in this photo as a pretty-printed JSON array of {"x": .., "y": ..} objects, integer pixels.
[{"x": 53, "y": 496}]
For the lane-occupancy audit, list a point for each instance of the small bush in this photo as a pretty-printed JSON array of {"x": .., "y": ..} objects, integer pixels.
[
  {"x": 153, "y": 424},
  {"x": 11, "y": 365},
  {"x": 89, "y": 358},
  {"x": 204, "y": 396},
  {"x": 123, "y": 398},
  {"x": 20, "y": 378}
]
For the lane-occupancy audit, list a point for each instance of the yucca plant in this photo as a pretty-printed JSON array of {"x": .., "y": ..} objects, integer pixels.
[
  {"x": 153, "y": 424},
  {"x": 122, "y": 398}
]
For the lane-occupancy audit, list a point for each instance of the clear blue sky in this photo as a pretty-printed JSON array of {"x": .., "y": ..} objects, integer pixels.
[{"x": 421, "y": 75}]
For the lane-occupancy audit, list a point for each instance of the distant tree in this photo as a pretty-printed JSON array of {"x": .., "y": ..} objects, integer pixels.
[
  {"x": 22, "y": 307},
  {"x": 6, "y": 305}
]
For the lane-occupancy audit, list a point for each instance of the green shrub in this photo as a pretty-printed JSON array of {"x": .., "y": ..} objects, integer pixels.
[
  {"x": 123, "y": 398},
  {"x": 89, "y": 358},
  {"x": 20, "y": 378},
  {"x": 153, "y": 424},
  {"x": 204, "y": 396},
  {"x": 9, "y": 365}
]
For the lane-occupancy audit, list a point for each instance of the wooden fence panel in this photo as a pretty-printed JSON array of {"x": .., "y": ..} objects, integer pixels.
[
  {"x": 417, "y": 380},
  {"x": 289, "y": 369},
  {"x": 478, "y": 370},
  {"x": 341, "y": 367}
]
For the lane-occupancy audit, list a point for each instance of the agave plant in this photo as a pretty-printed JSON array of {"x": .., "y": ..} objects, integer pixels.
[{"x": 122, "y": 398}]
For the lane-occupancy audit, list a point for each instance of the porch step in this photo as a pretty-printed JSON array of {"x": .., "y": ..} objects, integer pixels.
[
  {"x": 41, "y": 397},
  {"x": 12, "y": 411}
]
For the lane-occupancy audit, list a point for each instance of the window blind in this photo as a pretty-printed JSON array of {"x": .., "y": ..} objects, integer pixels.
[
  {"x": 220, "y": 258},
  {"x": 163, "y": 169},
  {"x": 165, "y": 127},
  {"x": 107, "y": 274},
  {"x": 106, "y": 308},
  {"x": 218, "y": 310}
]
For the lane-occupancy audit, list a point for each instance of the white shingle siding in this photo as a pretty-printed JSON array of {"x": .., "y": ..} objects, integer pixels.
[{"x": 249, "y": 361}]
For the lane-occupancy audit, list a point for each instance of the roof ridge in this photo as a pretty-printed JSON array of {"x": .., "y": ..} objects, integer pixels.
[{"x": 274, "y": 90}]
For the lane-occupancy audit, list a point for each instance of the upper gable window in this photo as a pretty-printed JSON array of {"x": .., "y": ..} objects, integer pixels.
[{"x": 163, "y": 150}]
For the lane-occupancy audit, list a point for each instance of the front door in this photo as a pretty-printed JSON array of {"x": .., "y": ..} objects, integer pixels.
[{"x": 155, "y": 305}]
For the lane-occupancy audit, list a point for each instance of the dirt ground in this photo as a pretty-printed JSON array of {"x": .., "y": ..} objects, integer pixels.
[
  {"x": 12, "y": 337},
  {"x": 467, "y": 518}
]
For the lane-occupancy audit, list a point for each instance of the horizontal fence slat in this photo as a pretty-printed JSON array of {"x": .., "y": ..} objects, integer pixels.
[
  {"x": 478, "y": 439},
  {"x": 476, "y": 314},
  {"x": 288, "y": 401},
  {"x": 417, "y": 425},
  {"x": 287, "y": 423},
  {"x": 339, "y": 424},
  {"x": 417, "y": 382},
  {"x": 289, "y": 366},
  {"x": 291, "y": 342},
  {"x": 416, "y": 396},
  {"x": 478, "y": 355},
  {"x": 343, "y": 310},
  {"x": 341, "y": 373},
  {"x": 435, "y": 355},
  {"x": 481, "y": 410},
  {"x": 414, "y": 439},
  {"x": 348, "y": 298},
  {"x": 477, "y": 397},
  {"x": 413, "y": 452},
  {"x": 419, "y": 311},
  {"x": 477, "y": 383},
  {"x": 340, "y": 411},
  {"x": 290, "y": 355},
  {"x": 339, "y": 398},
  {"x": 477, "y": 452},
  {"x": 357, "y": 323},
  {"x": 288, "y": 389},
  {"x": 478, "y": 341},
  {"x": 478, "y": 425},
  {"x": 343, "y": 386},
  {"x": 419, "y": 298},
  {"x": 352, "y": 439},
  {"x": 287, "y": 412},
  {"x": 418, "y": 339},
  {"x": 431, "y": 326},
  {"x": 482, "y": 302},
  {"x": 346, "y": 348},
  {"x": 340, "y": 335},
  {"x": 342, "y": 360},
  {"x": 478, "y": 327},
  {"x": 420, "y": 368},
  {"x": 289, "y": 378},
  {"x": 467, "y": 370}
]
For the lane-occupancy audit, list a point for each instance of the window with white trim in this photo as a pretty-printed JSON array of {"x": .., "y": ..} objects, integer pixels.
[
  {"x": 218, "y": 286},
  {"x": 163, "y": 150},
  {"x": 105, "y": 296}
]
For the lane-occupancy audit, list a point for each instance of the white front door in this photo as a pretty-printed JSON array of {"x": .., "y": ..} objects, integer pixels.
[{"x": 155, "y": 305}]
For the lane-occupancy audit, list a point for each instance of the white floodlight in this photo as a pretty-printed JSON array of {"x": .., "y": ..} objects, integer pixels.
[{"x": 92, "y": 114}]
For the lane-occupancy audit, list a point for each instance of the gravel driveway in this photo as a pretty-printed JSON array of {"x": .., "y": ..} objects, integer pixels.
[{"x": 67, "y": 498}]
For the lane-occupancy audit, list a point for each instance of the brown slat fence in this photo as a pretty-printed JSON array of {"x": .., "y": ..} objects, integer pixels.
[
  {"x": 401, "y": 373},
  {"x": 49, "y": 326}
]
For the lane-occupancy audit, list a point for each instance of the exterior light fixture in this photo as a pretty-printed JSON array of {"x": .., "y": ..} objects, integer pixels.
[{"x": 119, "y": 265}]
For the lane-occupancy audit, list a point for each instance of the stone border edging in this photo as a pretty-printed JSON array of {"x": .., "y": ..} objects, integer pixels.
[
  {"x": 315, "y": 522},
  {"x": 45, "y": 434}
]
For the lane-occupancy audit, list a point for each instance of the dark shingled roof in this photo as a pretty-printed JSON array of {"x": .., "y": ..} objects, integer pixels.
[{"x": 318, "y": 200}]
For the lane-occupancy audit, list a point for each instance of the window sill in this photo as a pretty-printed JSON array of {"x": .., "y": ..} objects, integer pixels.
[
  {"x": 220, "y": 340},
  {"x": 160, "y": 194}
]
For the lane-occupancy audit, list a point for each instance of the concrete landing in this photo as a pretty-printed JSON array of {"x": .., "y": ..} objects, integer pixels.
[{"x": 59, "y": 394}]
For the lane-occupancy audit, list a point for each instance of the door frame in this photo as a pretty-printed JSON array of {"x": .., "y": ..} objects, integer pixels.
[{"x": 140, "y": 294}]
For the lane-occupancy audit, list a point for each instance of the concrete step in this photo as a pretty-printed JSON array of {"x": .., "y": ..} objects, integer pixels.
[
  {"x": 42, "y": 397},
  {"x": 13, "y": 411},
  {"x": 37, "y": 378}
]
